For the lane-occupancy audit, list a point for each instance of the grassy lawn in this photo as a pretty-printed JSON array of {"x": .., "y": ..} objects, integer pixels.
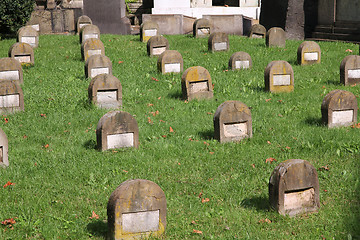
[{"x": 60, "y": 178}]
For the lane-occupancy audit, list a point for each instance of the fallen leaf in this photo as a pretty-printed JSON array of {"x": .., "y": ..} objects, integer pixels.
[
  {"x": 114, "y": 151},
  {"x": 6, "y": 120},
  {"x": 24, "y": 136},
  {"x": 206, "y": 143},
  {"x": 226, "y": 70},
  {"x": 211, "y": 152},
  {"x": 119, "y": 62},
  {"x": 161, "y": 120},
  {"x": 356, "y": 125},
  {"x": 197, "y": 231},
  {"x": 190, "y": 139},
  {"x": 209, "y": 113},
  {"x": 226, "y": 5},
  {"x": 125, "y": 171},
  {"x": 164, "y": 136},
  {"x": 325, "y": 190},
  {"x": 204, "y": 200},
  {"x": 270, "y": 160},
  {"x": 280, "y": 101},
  {"x": 186, "y": 101},
  {"x": 179, "y": 163},
  {"x": 268, "y": 142},
  {"x": 9, "y": 221},
  {"x": 43, "y": 115},
  {"x": 266, "y": 220},
  {"x": 149, "y": 120},
  {"x": 348, "y": 50},
  {"x": 171, "y": 129},
  {"x": 253, "y": 165},
  {"x": 155, "y": 113},
  {"x": 200, "y": 194},
  {"x": 8, "y": 184},
  {"x": 94, "y": 215},
  {"x": 227, "y": 228},
  {"x": 267, "y": 100},
  {"x": 150, "y": 104},
  {"x": 280, "y": 115},
  {"x": 193, "y": 222},
  {"x": 287, "y": 147},
  {"x": 152, "y": 78},
  {"x": 46, "y": 146},
  {"x": 326, "y": 168},
  {"x": 159, "y": 98}
]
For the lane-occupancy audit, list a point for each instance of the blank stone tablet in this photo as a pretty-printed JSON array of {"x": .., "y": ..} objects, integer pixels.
[
  {"x": 23, "y": 59},
  {"x": 10, "y": 101},
  {"x": 120, "y": 140},
  {"x": 29, "y": 40},
  {"x": 106, "y": 96},
  {"x": 311, "y": 56},
  {"x": 235, "y": 129},
  {"x": 344, "y": 116},
  {"x": 172, "y": 67},
  {"x": 141, "y": 221},
  {"x": 299, "y": 199},
  {"x": 279, "y": 77},
  {"x": 150, "y": 32},
  {"x": 98, "y": 71},
  {"x": 203, "y": 31},
  {"x": 198, "y": 86},
  {"x": 220, "y": 46},
  {"x": 36, "y": 27},
  {"x": 87, "y": 36},
  {"x": 218, "y": 41},
  {"x": 158, "y": 50},
  {"x": 354, "y": 73},
  {"x": 156, "y": 45},
  {"x": 94, "y": 52},
  {"x": 83, "y": 25},
  {"x": 281, "y": 80},
  {"x": 242, "y": 64},
  {"x": 9, "y": 75}
]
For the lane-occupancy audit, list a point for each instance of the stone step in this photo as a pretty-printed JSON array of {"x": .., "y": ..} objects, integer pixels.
[
  {"x": 341, "y": 30},
  {"x": 337, "y": 36}
]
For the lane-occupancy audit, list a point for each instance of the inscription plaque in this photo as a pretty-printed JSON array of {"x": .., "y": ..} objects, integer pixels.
[
  {"x": 172, "y": 67},
  {"x": 281, "y": 80},
  {"x": 98, "y": 71},
  {"x": 23, "y": 58},
  {"x": 343, "y": 116},
  {"x": 94, "y": 52},
  {"x": 150, "y": 32},
  {"x": 158, "y": 50},
  {"x": 235, "y": 129},
  {"x": 242, "y": 64},
  {"x": 199, "y": 86},
  {"x": 120, "y": 140},
  {"x": 106, "y": 96},
  {"x": 10, "y": 75},
  {"x": 141, "y": 221},
  {"x": 94, "y": 35},
  {"x": 203, "y": 31},
  {"x": 311, "y": 56},
  {"x": 29, "y": 40},
  {"x": 7, "y": 101},
  {"x": 220, "y": 46},
  {"x": 354, "y": 73},
  {"x": 83, "y": 25},
  {"x": 36, "y": 27},
  {"x": 299, "y": 199}
]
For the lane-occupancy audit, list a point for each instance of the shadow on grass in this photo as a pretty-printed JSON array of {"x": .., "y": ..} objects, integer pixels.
[
  {"x": 90, "y": 144},
  {"x": 97, "y": 229},
  {"x": 207, "y": 135},
  {"x": 176, "y": 95},
  {"x": 260, "y": 203},
  {"x": 314, "y": 121},
  {"x": 258, "y": 89},
  {"x": 335, "y": 82}
]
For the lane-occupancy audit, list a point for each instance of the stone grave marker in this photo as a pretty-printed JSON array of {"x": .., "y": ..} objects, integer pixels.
[
  {"x": 11, "y": 97},
  {"x": 92, "y": 46},
  {"x": 218, "y": 42},
  {"x": 105, "y": 91},
  {"x": 82, "y": 22},
  {"x": 294, "y": 188},
  {"x": 257, "y": 31},
  {"x": 232, "y": 122},
  {"x": 89, "y": 31},
  {"x": 156, "y": 45},
  {"x": 148, "y": 29},
  {"x": 117, "y": 129},
  {"x": 22, "y": 52},
  {"x": 276, "y": 37},
  {"x": 136, "y": 210},
  {"x": 96, "y": 65},
  {"x": 29, "y": 35},
  {"x": 350, "y": 70},
  {"x": 10, "y": 69},
  {"x": 196, "y": 84},
  {"x": 170, "y": 61},
  {"x": 4, "y": 147},
  {"x": 240, "y": 60},
  {"x": 279, "y": 77},
  {"x": 339, "y": 108},
  {"x": 308, "y": 53},
  {"x": 202, "y": 28}
]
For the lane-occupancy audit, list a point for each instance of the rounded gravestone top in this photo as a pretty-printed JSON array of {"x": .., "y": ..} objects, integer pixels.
[
  {"x": 339, "y": 100},
  {"x": 82, "y": 21},
  {"x": 148, "y": 29},
  {"x": 240, "y": 60},
  {"x": 97, "y": 64},
  {"x": 202, "y": 27},
  {"x": 89, "y": 31},
  {"x": 350, "y": 70},
  {"x": 279, "y": 77},
  {"x": 92, "y": 46},
  {"x": 28, "y": 35},
  {"x": 12, "y": 92},
  {"x": 309, "y": 52},
  {"x": 110, "y": 90},
  {"x": 22, "y": 52},
  {"x": 172, "y": 57},
  {"x": 10, "y": 69},
  {"x": 257, "y": 31},
  {"x": 157, "y": 45},
  {"x": 276, "y": 37},
  {"x": 196, "y": 83}
]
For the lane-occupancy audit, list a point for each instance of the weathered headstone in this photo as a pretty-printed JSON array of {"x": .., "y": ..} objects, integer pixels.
[
  {"x": 308, "y": 53},
  {"x": 294, "y": 188},
  {"x": 136, "y": 210},
  {"x": 279, "y": 77},
  {"x": 105, "y": 91},
  {"x": 240, "y": 60},
  {"x": 29, "y": 35},
  {"x": 10, "y": 69},
  {"x": 196, "y": 84},
  {"x": 170, "y": 61},
  {"x": 50, "y": 4},
  {"x": 96, "y": 65},
  {"x": 218, "y": 42},
  {"x": 92, "y": 46},
  {"x": 82, "y": 22},
  {"x": 89, "y": 31},
  {"x": 11, "y": 97},
  {"x": 350, "y": 70},
  {"x": 4, "y": 148},
  {"x": 148, "y": 29},
  {"x": 257, "y": 31},
  {"x": 276, "y": 37},
  {"x": 232, "y": 122},
  {"x": 22, "y": 52},
  {"x": 339, "y": 108},
  {"x": 117, "y": 129},
  {"x": 202, "y": 28},
  {"x": 156, "y": 45}
]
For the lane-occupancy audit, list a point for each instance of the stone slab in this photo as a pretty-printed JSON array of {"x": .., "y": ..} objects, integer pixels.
[
  {"x": 106, "y": 96},
  {"x": 220, "y": 46},
  {"x": 12, "y": 100},
  {"x": 29, "y": 40},
  {"x": 158, "y": 50},
  {"x": 87, "y": 36},
  {"x": 10, "y": 75},
  {"x": 281, "y": 80},
  {"x": 203, "y": 31},
  {"x": 235, "y": 129},
  {"x": 172, "y": 67},
  {"x": 242, "y": 64},
  {"x": 344, "y": 116},
  {"x": 36, "y": 27},
  {"x": 81, "y": 25},
  {"x": 150, "y": 32},
  {"x": 120, "y": 140},
  {"x": 23, "y": 58},
  {"x": 141, "y": 221},
  {"x": 299, "y": 199},
  {"x": 200, "y": 86},
  {"x": 94, "y": 52},
  {"x": 97, "y": 71},
  {"x": 311, "y": 56},
  {"x": 354, "y": 73}
]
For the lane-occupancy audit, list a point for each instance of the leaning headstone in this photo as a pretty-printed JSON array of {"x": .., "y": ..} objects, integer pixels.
[
  {"x": 90, "y": 47},
  {"x": 257, "y": 31},
  {"x": 148, "y": 29},
  {"x": 117, "y": 129},
  {"x": 218, "y": 42},
  {"x": 232, "y": 122},
  {"x": 240, "y": 60},
  {"x": 11, "y": 97},
  {"x": 4, "y": 148},
  {"x": 339, "y": 108},
  {"x": 294, "y": 188},
  {"x": 170, "y": 61},
  {"x": 350, "y": 70},
  {"x": 279, "y": 77},
  {"x": 308, "y": 53},
  {"x": 22, "y": 52},
  {"x": 202, "y": 28},
  {"x": 29, "y": 35},
  {"x": 105, "y": 91},
  {"x": 82, "y": 22},
  {"x": 96, "y": 65},
  {"x": 196, "y": 84},
  {"x": 10, "y": 69},
  {"x": 89, "y": 31},
  {"x": 136, "y": 210},
  {"x": 157, "y": 45},
  {"x": 276, "y": 37}
]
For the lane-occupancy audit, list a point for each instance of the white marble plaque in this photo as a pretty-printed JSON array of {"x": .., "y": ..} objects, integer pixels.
[
  {"x": 242, "y": 64},
  {"x": 354, "y": 73},
  {"x": 81, "y": 25},
  {"x": 158, "y": 50},
  {"x": 120, "y": 140},
  {"x": 12, "y": 100},
  {"x": 106, "y": 96},
  {"x": 256, "y": 35},
  {"x": 342, "y": 117},
  {"x": 200, "y": 86},
  {"x": 36, "y": 27},
  {"x": 281, "y": 80},
  {"x": 203, "y": 31},
  {"x": 235, "y": 129},
  {"x": 150, "y": 32},
  {"x": 299, "y": 199},
  {"x": 220, "y": 46},
  {"x": 92, "y": 35},
  {"x": 141, "y": 221},
  {"x": 23, "y": 58},
  {"x": 10, "y": 75},
  {"x": 97, "y": 71},
  {"x": 94, "y": 52},
  {"x": 29, "y": 40},
  {"x": 172, "y": 67},
  {"x": 311, "y": 56}
]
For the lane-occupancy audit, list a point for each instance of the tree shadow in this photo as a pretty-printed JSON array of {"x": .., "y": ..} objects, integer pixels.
[
  {"x": 176, "y": 95},
  {"x": 97, "y": 228},
  {"x": 90, "y": 144},
  {"x": 207, "y": 135},
  {"x": 334, "y": 82},
  {"x": 260, "y": 203},
  {"x": 314, "y": 121}
]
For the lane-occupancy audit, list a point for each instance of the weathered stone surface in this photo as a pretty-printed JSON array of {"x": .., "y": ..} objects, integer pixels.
[
  {"x": 89, "y": 31},
  {"x": 4, "y": 149},
  {"x": 308, "y": 53},
  {"x": 171, "y": 24},
  {"x": 82, "y": 21},
  {"x": 170, "y": 61},
  {"x": 276, "y": 37},
  {"x": 148, "y": 29},
  {"x": 22, "y": 52},
  {"x": 136, "y": 210},
  {"x": 41, "y": 21},
  {"x": 257, "y": 31},
  {"x": 69, "y": 20},
  {"x": 105, "y": 91},
  {"x": 96, "y": 65},
  {"x": 350, "y": 70},
  {"x": 11, "y": 97},
  {"x": 202, "y": 28},
  {"x": 229, "y": 24},
  {"x": 232, "y": 122},
  {"x": 50, "y": 4},
  {"x": 10, "y": 69},
  {"x": 90, "y": 47},
  {"x": 156, "y": 45},
  {"x": 218, "y": 42},
  {"x": 196, "y": 84},
  {"x": 28, "y": 35},
  {"x": 294, "y": 188},
  {"x": 279, "y": 77},
  {"x": 339, "y": 108},
  {"x": 239, "y": 61}
]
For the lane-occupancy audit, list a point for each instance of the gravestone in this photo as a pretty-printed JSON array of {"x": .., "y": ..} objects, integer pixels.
[
  {"x": 276, "y": 37},
  {"x": 294, "y": 188},
  {"x": 339, "y": 108},
  {"x": 308, "y": 53},
  {"x": 11, "y": 97},
  {"x": 22, "y": 52},
  {"x": 105, "y": 91},
  {"x": 218, "y": 42},
  {"x": 4, "y": 148},
  {"x": 170, "y": 61},
  {"x": 279, "y": 77},
  {"x": 136, "y": 210},
  {"x": 90, "y": 47},
  {"x": 117, "y": 129},
  {"x": 89, "y": 31},
  {"x": 350, "y": 70},
  {"x": 157, "y": 45},
  {"x": 10, "y": 69},
  {"x": 82, "y": 22},
  {"x": 257, "y": 31},
  {"x": 232, "y": 122},
  {"x": 148, "y": 29},
  {"x": 202, "y": 28},
  {"x": 196, "y": 84},
  {"x": 240, "y": 60},
  {"x": 29, "y": 35},
  {"x": 96, "y": 65}
]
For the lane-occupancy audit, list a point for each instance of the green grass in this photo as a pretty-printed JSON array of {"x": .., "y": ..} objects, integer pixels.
[{"x": 57, "y": 188}]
